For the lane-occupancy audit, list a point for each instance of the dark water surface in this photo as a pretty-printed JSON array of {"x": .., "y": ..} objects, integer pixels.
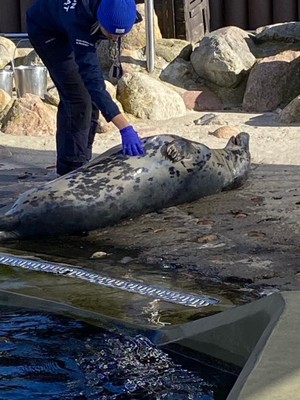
[{"x": 46, "y": 356}]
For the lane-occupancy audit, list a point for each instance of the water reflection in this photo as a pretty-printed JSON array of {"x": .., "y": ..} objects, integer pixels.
[{"x": 45, "y": 356}]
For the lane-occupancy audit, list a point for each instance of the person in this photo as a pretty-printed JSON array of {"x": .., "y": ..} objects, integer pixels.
[{"x": 64, "y": 33}]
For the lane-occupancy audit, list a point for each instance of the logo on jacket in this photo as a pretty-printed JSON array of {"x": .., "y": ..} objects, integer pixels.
[{"x": 70, "y": 5}]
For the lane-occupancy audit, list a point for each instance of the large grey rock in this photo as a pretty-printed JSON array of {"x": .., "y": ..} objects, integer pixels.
[
  {"x": 224, "y": 56},
  {"x": 283, "y": 32},
  {"x": 4, "y": 99},
  {"x": 32, "y": 58},
  {"x": 180, "y": 73},
  {"x": 273, "y": 39},
  {"x": 230, "y": 97},
  {"x": 273, "y": 82},
  {"x": 7, "y": 51},
  {"x": 170, "y": 49},
  {"x": 291, "y": 113},
  {"x": 202, "y": 100},
  {"x": 29, "y": 116},
  {"x": 148, "y": 98}
]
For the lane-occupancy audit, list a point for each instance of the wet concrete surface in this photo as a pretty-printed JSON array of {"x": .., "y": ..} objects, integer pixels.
[{"x": 248, "y": 238}]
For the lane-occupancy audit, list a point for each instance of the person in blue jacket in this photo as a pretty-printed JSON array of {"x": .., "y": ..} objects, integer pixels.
[{"x": 63, "y": 34}]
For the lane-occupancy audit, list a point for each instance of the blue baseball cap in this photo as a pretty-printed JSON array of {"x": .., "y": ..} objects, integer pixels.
[{"x": 117, "y": 16}]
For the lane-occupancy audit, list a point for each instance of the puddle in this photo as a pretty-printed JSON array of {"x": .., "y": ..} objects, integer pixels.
[
  {"x": 50, "y": 357},
  {"x": 130, "y": 307}
]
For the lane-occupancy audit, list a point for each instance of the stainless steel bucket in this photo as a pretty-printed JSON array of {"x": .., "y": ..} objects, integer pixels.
[
  {"x": 31, "y": 79},
  {"x": 6, "y": 80}
]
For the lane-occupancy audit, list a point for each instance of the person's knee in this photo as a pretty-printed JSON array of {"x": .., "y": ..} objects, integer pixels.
[{"x": 81, "y": 112}]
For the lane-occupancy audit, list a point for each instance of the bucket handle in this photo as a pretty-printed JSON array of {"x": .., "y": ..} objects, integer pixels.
[
  {"x": 13, "y": 63},
  {"x": 12, "y": 59}
]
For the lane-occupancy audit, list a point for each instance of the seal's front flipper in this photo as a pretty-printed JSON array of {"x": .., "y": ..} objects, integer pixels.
[
  {"x": 7, "y": 225},
  {"x": 178, "y": 150}
]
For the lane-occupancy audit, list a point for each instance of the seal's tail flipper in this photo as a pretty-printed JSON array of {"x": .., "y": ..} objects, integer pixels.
[{"x": 7, "y": 225}]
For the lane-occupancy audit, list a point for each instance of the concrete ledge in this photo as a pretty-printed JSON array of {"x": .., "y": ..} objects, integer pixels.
[
  {"x": 273, "y": 368},
  {"x": 261, "y": 337},
  {"x": 231, "y": 335}
]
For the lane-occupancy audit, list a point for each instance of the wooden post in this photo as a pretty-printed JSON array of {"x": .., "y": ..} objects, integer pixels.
[
  {"x": 165, "y": 11},
  {"x": 10, "y": 16},
  {"x": 24, "y": 4},
  {"x": 236, "y": 13},
  {"x": 285, "y": 11},
  {"x": 259, "y": 13},
  {"x": 216, "y": 8}
]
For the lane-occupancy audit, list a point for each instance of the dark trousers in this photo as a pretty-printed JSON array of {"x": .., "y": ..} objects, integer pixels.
[{"x": 77, "y": 115}]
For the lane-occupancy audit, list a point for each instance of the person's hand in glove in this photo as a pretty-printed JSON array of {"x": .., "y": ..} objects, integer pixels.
[{"x": 132, "y": 144}]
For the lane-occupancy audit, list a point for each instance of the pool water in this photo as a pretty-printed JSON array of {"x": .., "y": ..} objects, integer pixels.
[{"x": 49, "y": 357}]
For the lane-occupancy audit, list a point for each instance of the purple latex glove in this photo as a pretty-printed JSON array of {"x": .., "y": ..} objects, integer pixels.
[{"x": 132, "y": 144}]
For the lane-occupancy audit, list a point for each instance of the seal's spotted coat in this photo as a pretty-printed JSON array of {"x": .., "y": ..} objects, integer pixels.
[{"x": 112, "y": 187}]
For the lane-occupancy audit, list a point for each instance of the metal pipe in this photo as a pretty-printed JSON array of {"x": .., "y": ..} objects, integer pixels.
[
  {"x": 150, "y": 42},
  {"x": 15, "y": 35}
]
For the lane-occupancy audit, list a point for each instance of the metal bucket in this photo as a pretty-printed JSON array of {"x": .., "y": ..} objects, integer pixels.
[
  {"x": 6, "y": 80},
  {"x": 31, "y": 79}
]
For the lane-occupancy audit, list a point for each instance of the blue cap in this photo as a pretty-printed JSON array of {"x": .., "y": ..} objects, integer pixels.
[{"x": 117, "y": 16}]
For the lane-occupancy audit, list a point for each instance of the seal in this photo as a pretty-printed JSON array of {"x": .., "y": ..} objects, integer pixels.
[{"x": 112, "y": 187}]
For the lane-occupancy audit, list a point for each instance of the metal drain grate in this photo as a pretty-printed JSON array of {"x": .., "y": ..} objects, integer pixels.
[{"x": 185, "y": 299}]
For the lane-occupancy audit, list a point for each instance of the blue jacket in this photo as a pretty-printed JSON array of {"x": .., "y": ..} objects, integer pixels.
[{"x": 74, "y": 18}]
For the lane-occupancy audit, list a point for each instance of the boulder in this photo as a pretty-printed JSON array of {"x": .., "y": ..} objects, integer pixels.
[
  {"x": 146, "y": 97},
  {"x": 170, "y": 49},
  {"x": 32, "y": 58},
  {"x": 224, "y": 132},
  {"x": 273, "y": 39},
  {"x": 29, "y": 116},
  {"x": 224, "y": 56},
  {"x": 7, "y": 51},
  {"x": 273, "y": 82},
  {"x": 180, "y": 73},
  {"x": 282, "y": 32},
  {"x": 201, "y": 100},
  {"x": 291, "y": 113},
  {"x": 4, "y": 99}
]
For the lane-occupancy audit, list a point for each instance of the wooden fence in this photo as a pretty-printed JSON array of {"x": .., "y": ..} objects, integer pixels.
[
  {"x": 12, "y": 15},
  {"x": 251, "y": 14},
  {"x": 187, "y": 19}
]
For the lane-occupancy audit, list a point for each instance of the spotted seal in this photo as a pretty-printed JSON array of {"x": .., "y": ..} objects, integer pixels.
[{"x": 112, "y": 187}]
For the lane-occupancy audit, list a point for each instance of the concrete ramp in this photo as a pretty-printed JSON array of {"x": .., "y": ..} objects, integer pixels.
[{"x": 261, "y": 338}]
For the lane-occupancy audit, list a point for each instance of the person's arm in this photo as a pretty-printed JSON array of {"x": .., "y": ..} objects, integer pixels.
[{"x": 90, "y": 71}]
